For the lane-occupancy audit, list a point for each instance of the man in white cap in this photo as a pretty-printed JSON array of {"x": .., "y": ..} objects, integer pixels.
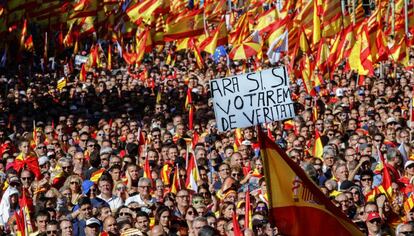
[{"x": 92, "y": 227}]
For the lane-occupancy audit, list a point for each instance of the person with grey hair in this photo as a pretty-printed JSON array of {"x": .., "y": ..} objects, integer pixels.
[
  {"x": 404, "y": 229},
  {"x": 143, "y": 198},
  {"x": 328, "y": 157},
  {"x": 198, "y": 223},
  {"x": 207, "y": 231}
]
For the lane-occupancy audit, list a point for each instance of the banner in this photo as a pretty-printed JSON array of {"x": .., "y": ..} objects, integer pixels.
[
  {"x": 253, "y": 98},
  {"x": 79, "y": 60}
]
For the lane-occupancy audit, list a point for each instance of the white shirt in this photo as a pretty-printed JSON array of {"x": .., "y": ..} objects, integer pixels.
[
  {"x": 137, "y": 198},
  {"x": 114, "y": 202}
]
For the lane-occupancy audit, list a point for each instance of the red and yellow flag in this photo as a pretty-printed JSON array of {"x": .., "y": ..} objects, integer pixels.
[
  {"x": 23, "y": 34},
  {"x": 248, "y": 224},
  {"x": 192, "y": 173},
  {"x": 175, "y": 185},
  {"x": 385, "y": 186},
  {"x": 95, "y": 176},
  {"x": 82, "y": 74},
  {"x": 147, "y": 169},
  {"x": 109, "y": 66},
  {"x": 317, "y": 146},
  {"x": 186, "y": 24},
  {"x": 297, "y": 206}
]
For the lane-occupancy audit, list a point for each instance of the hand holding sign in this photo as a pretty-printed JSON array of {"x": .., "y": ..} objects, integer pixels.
[{"x": 250, "y": 99}]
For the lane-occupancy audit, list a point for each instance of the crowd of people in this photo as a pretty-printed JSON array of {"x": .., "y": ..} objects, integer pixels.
[{"x": 103, "y": 156}]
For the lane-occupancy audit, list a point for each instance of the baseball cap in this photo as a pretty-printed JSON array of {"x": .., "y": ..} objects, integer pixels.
[
  {"x": 14, "y": 179},
  {"x": 93, "y": 221},
  {"x": 43, "y": 160},
  {"x": 105, "y": 150},
  {"x": 373, "y": 215},
  {"x": 408, "y": 163},
  {"x": 339, "y": 92},
  {"x": 391, "y": 120}
]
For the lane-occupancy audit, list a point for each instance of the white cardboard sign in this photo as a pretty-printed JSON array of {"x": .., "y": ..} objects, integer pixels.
[{"x": 253, "y": 98}]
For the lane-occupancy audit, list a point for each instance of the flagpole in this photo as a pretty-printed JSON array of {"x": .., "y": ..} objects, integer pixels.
[
  {"x": 353, "y": 12},
  {"x": 393, "y": 17},
  {"x": 406, "y": 16},
  {"x": 411, "y": 115}
]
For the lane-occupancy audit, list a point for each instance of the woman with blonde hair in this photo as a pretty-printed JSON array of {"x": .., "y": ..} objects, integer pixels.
[{"x": 74, "y": 183}]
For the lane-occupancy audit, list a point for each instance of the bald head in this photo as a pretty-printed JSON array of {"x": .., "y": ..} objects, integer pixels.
[
  {"x": 157, "y": 231},
  {"x": 110, "y": 226}
]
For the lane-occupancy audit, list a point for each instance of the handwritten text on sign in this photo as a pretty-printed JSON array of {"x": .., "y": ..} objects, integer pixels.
[{"x": 253, "y": 98}]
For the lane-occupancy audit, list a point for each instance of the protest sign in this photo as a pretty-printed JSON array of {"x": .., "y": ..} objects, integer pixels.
[
  {"x": 79, "y": 60},
  {"x": 253, "y": 98}
]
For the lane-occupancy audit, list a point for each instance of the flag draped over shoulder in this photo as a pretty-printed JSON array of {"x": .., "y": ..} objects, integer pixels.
[{"x": 297, "y": 206}]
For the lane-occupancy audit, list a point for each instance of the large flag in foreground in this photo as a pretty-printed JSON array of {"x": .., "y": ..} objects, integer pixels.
[{"x": 297, "y": 206}]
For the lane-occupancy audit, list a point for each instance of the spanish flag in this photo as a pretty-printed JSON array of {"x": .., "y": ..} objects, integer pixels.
[
  {"x": 192, "y": 174},
  {"x": 82, "y": 74},
  {"x": 317, "y": 146},
  {"x": 297, "y": 206},
  {"x": 147, "y": 169},
  {"x": 61, "y": 83},
  {"x": 23, "y": 222},
  {"x": 95, "y": 176},
  {"x": 175, "y": 185},
  {"x": 23, "y": 34},
  {"x": 187, "y": 24}
]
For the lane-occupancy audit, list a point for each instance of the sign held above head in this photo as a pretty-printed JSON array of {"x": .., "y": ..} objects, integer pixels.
[{"x": 253, "y": 98}]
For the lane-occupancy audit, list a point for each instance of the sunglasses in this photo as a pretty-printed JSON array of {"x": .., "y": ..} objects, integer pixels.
[{"x": 124, "y": 214}]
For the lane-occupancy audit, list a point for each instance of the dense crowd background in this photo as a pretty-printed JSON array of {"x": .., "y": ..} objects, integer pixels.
[{"x": 107, "y": 150}]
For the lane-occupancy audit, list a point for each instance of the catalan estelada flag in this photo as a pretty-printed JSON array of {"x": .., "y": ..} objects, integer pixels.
[{"x": 297, "y": 206}]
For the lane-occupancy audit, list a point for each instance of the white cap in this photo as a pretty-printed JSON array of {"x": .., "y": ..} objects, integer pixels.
[
  {"x": 391, "y": 120},
  {"x": 42, "y": 160},
  {"x": 408, "y": 163},
  {"x": 339, "y": 92},
  {"x": 92, "y": 221},
  {"x": 246, "y": 143}
]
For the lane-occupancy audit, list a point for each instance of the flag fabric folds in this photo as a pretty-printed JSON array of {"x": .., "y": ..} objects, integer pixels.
[
  {"x": 186, "y": 24},
  {"x": 296, "y": 204}
]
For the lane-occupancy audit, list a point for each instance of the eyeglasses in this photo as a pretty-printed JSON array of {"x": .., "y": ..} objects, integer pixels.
[
  {"x": 377, "y": 140},
  {"x": 91, "y": 145},
  {"x": 375, "y": 221},
  {"x": 366, "y": 179},
  {"x": 74, "y": 183},
  {"x": 41, "y": 147},
  {"x": 51, "y": 232},
  {"x": 197, "y": 202},
  {"x": 66, "y": 167},
  {"x": 408, "y": 233},
  {"x": 410, "y": 166},
  {"x": 124, "y": 214},
  {"x": 134, "y": 209},
  {"x": 26, "y": 178},
  {"x": 83, "y": 140},
  {"x": 122, "y": 188},
  {"x": 235, "y": 174},
  {"x": 49, "y": 132},
  {"x": 190, "y": 213}
]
